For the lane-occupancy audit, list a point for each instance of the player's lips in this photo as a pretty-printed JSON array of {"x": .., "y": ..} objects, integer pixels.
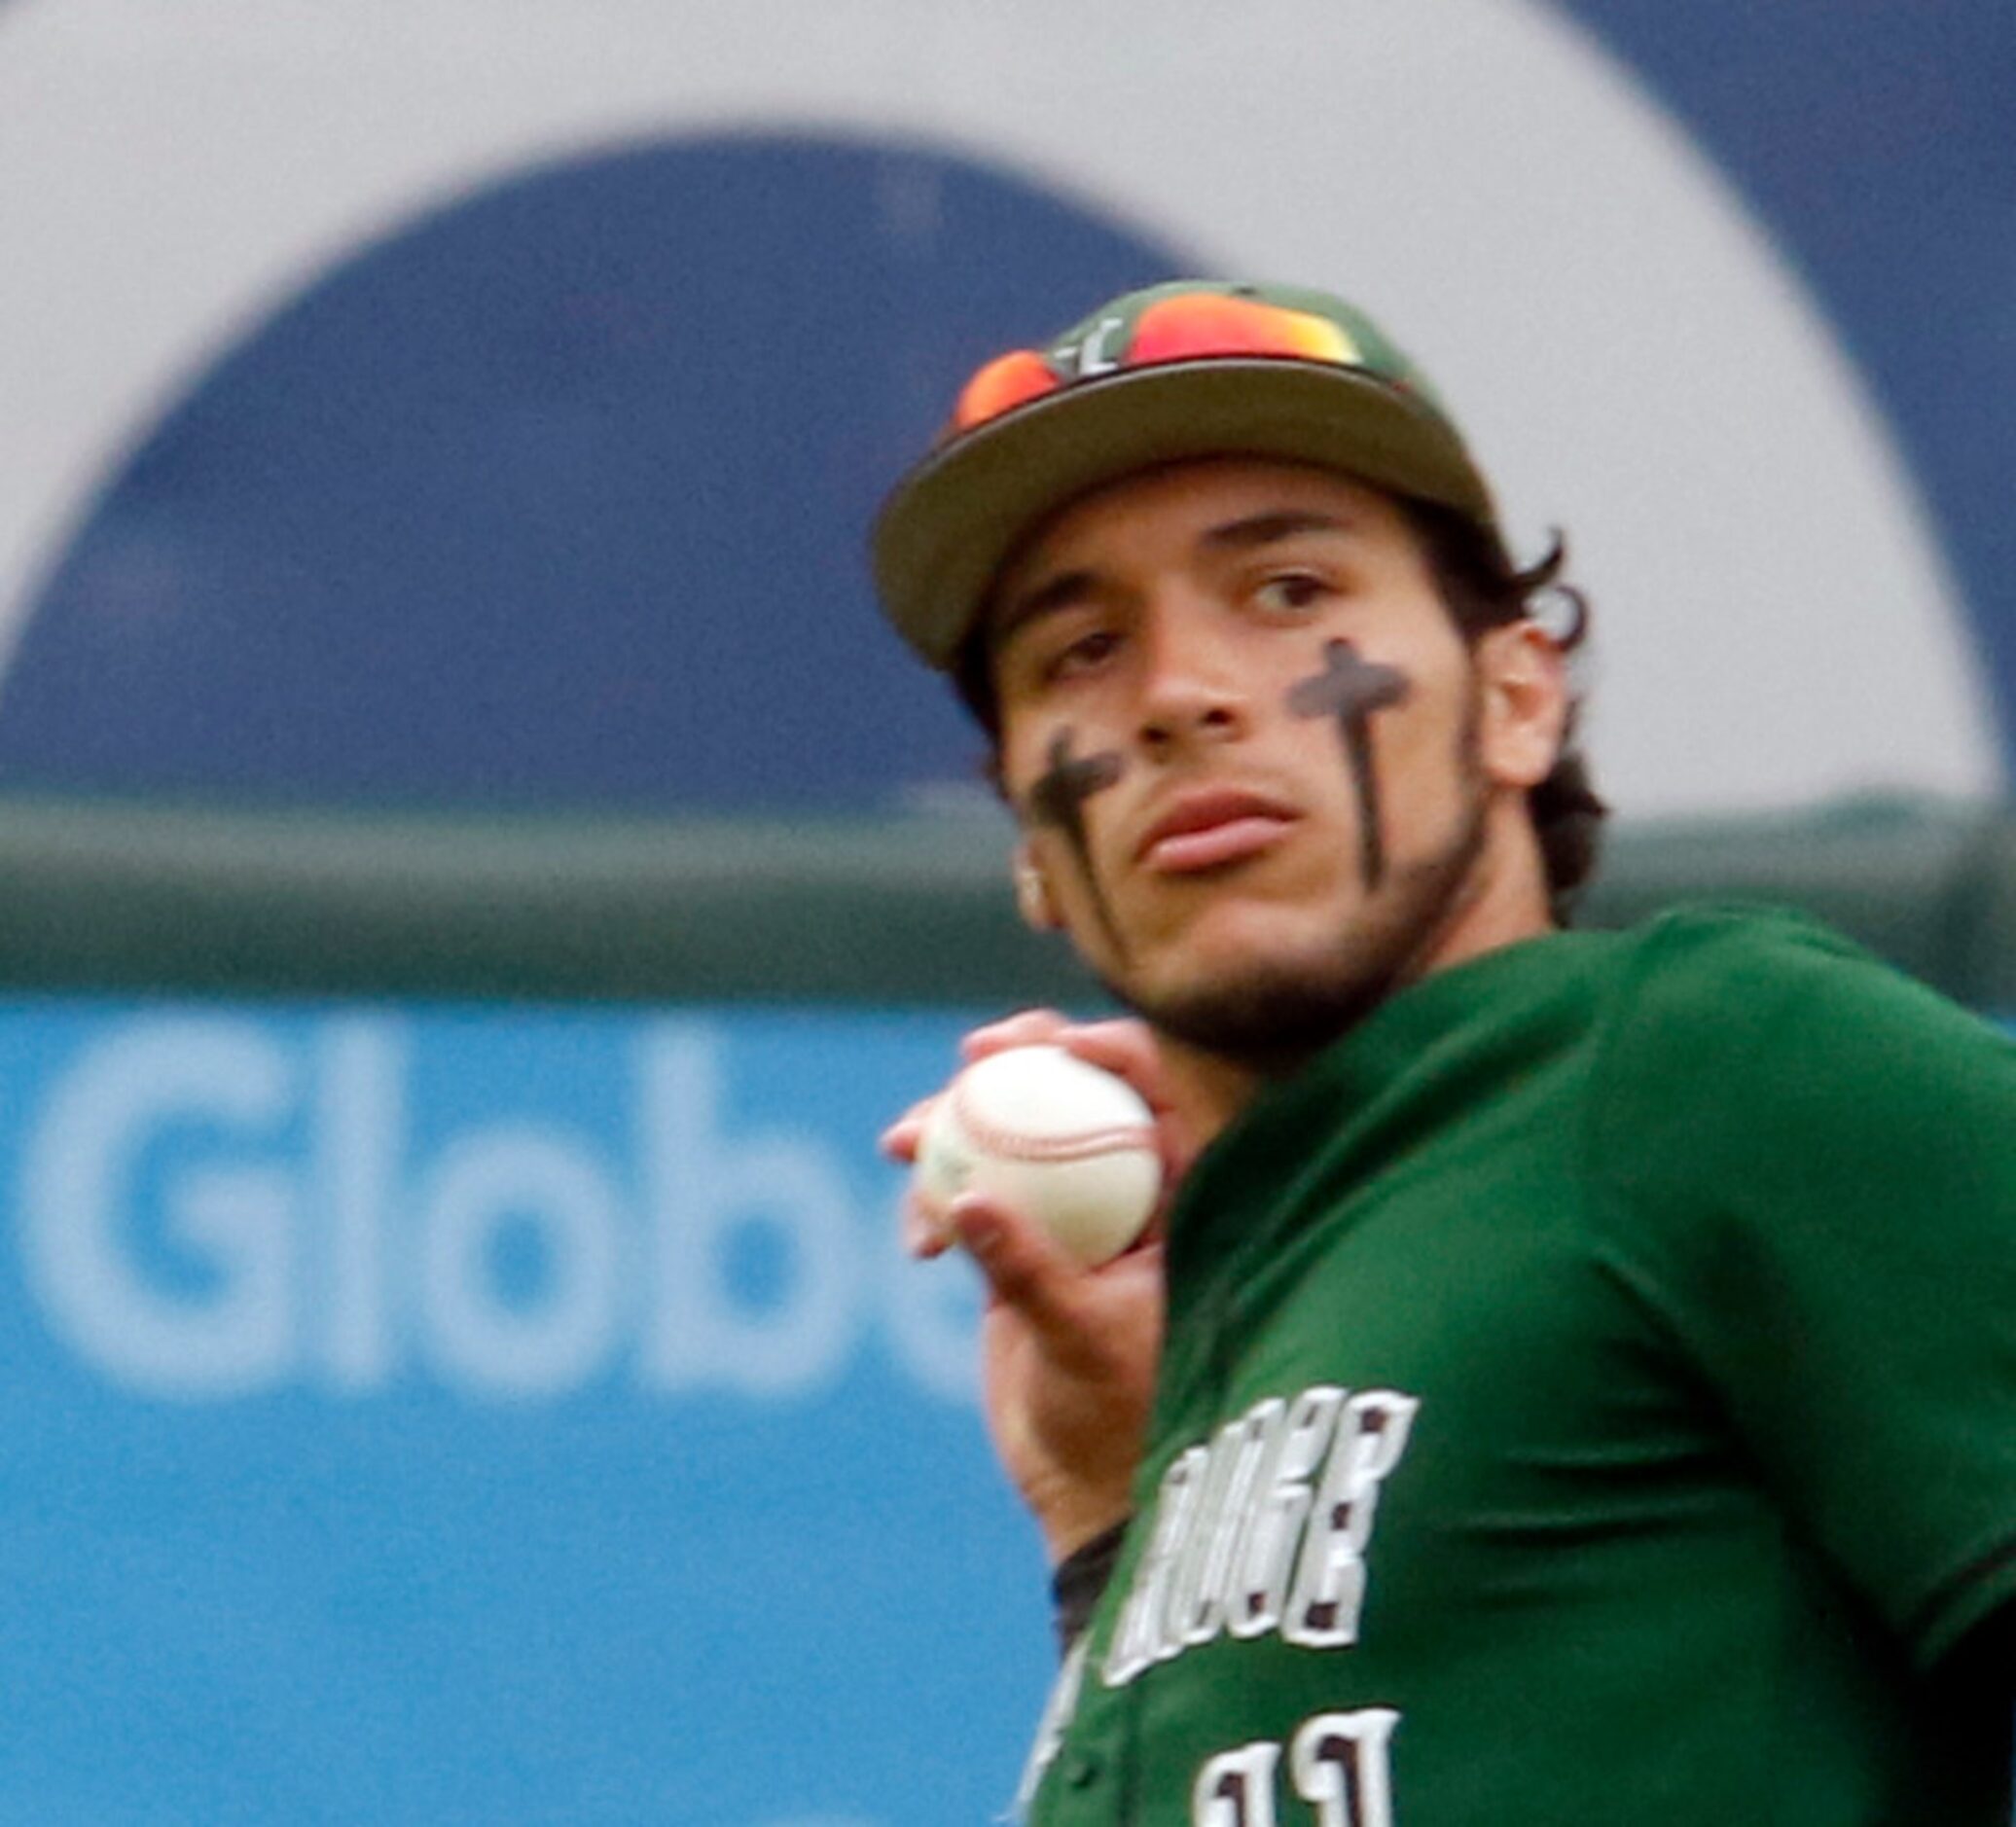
[{"x": 1206, "y": 829}]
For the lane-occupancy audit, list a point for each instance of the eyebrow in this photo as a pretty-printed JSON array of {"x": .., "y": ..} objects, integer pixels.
[
  {"x": 1265, "y": 530},
  {"x": 1069, "y": 588},
  {"x": 1061, "y": 592}
]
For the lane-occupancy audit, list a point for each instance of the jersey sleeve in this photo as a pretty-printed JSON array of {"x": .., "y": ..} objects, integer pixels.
[{"x": 1806, "y": 1163}]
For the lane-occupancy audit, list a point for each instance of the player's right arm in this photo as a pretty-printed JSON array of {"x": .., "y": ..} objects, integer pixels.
[{"x": 1068, "y": 1353}]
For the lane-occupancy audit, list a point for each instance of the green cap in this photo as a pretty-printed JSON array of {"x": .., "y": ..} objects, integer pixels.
[{"x": 1193, "y": 369}]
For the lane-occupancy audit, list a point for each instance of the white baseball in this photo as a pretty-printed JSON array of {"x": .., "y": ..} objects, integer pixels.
[{"x": 1046, "y": 1135}]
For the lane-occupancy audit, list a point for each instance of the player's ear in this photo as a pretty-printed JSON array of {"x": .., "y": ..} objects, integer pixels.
[
  {"x": 1032, "y": 899},
  {"x": 1522, "y": 707}
]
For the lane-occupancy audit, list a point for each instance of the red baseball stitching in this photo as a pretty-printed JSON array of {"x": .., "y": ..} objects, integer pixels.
[{"x": 1009, "y": 1145}]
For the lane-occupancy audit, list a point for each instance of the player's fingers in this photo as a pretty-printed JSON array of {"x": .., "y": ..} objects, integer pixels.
[
  {"x": 1030, "y": 1028},
  {"x": 925, "y": 1232},
  {"x": 900, "y": 1139},
  {"x": 1123, "y": 1047},
  {"x": 1024, "y": 1268},
  {"x": 921, "y": 1231}
]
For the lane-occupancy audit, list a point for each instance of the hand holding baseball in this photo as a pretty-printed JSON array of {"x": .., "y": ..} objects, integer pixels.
[
  {"x": 1068, "y": 1351},
  {"x": 1057, "y": 1140}
]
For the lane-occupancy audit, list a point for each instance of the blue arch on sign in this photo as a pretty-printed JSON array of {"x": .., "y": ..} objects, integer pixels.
[
  {"x": 560, "y": 496},
  {"x": 1875, "y": 142}
]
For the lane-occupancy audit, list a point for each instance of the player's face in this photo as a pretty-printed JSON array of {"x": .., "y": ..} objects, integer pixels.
[{"x": 1259, "y": 772}]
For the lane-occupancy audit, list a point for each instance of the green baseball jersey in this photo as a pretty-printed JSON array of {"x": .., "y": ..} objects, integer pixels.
[{"x": 1589, "y": 1398}]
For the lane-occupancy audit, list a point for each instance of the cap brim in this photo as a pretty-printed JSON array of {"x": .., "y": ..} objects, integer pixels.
[{"x": 952, "y": 523}]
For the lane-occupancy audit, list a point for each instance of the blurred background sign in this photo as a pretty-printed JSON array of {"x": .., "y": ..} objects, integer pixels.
[
  {"x": 454, "y": 1415},
  {"x": 426, "y": 404},
  {"x": 475, "y": 1382}
]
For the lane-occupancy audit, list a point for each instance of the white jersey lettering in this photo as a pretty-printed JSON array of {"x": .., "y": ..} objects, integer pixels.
[
  {"x": 1342, "y": 1763},
  {"x": 1330, "y": 1576},
  {"x": 1138, "y": 1642},
  {"x": 1236, "y": 1788},
  {"x": 1265, "y": 1550},
  {"x": 1264, "y": 1529}
]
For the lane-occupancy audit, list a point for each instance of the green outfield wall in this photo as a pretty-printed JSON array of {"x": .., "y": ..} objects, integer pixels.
[{"x": 111, "y": 897}]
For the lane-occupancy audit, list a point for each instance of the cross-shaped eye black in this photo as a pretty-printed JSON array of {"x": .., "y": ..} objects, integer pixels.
[
  {"x": 1350, "y": 690},
  {"x": 1058, "y": 800},
  {"x": 1059, "y": 797}
]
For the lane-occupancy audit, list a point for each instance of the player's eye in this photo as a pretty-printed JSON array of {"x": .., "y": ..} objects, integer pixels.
[
  {"x": 1291, "y": 593},
  {"x": 1082, "y": 655}
]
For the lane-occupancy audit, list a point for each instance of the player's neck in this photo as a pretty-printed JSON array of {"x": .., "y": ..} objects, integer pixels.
[
  {"x": 1506, "y": 900},
  {"x": 1503, "y": 902}
]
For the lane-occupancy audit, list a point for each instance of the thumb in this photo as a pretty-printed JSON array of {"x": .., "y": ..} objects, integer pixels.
[{"x": 1024, "y": 1268}]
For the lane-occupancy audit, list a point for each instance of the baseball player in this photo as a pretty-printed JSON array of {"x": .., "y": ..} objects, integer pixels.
[{"x": 1575, "y": 1383}]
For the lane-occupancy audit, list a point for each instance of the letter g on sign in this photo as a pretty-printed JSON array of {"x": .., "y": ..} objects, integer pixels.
[{"x": 83, "y": 1181}]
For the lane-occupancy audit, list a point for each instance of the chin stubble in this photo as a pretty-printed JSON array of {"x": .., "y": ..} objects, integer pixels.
[{"x": 1276, "y": 1014}]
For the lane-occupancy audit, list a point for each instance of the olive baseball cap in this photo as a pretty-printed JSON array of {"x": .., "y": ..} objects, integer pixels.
[{"x": 1192, "y": 369}]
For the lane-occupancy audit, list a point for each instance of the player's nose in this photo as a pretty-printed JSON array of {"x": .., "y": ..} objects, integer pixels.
[{"x": 1192, "y": 686}]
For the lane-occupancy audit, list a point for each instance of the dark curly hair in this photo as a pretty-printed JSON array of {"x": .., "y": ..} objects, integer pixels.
[
  {"x": 1481, "y": 589},
  {"x": 1484, "y": 588}
]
